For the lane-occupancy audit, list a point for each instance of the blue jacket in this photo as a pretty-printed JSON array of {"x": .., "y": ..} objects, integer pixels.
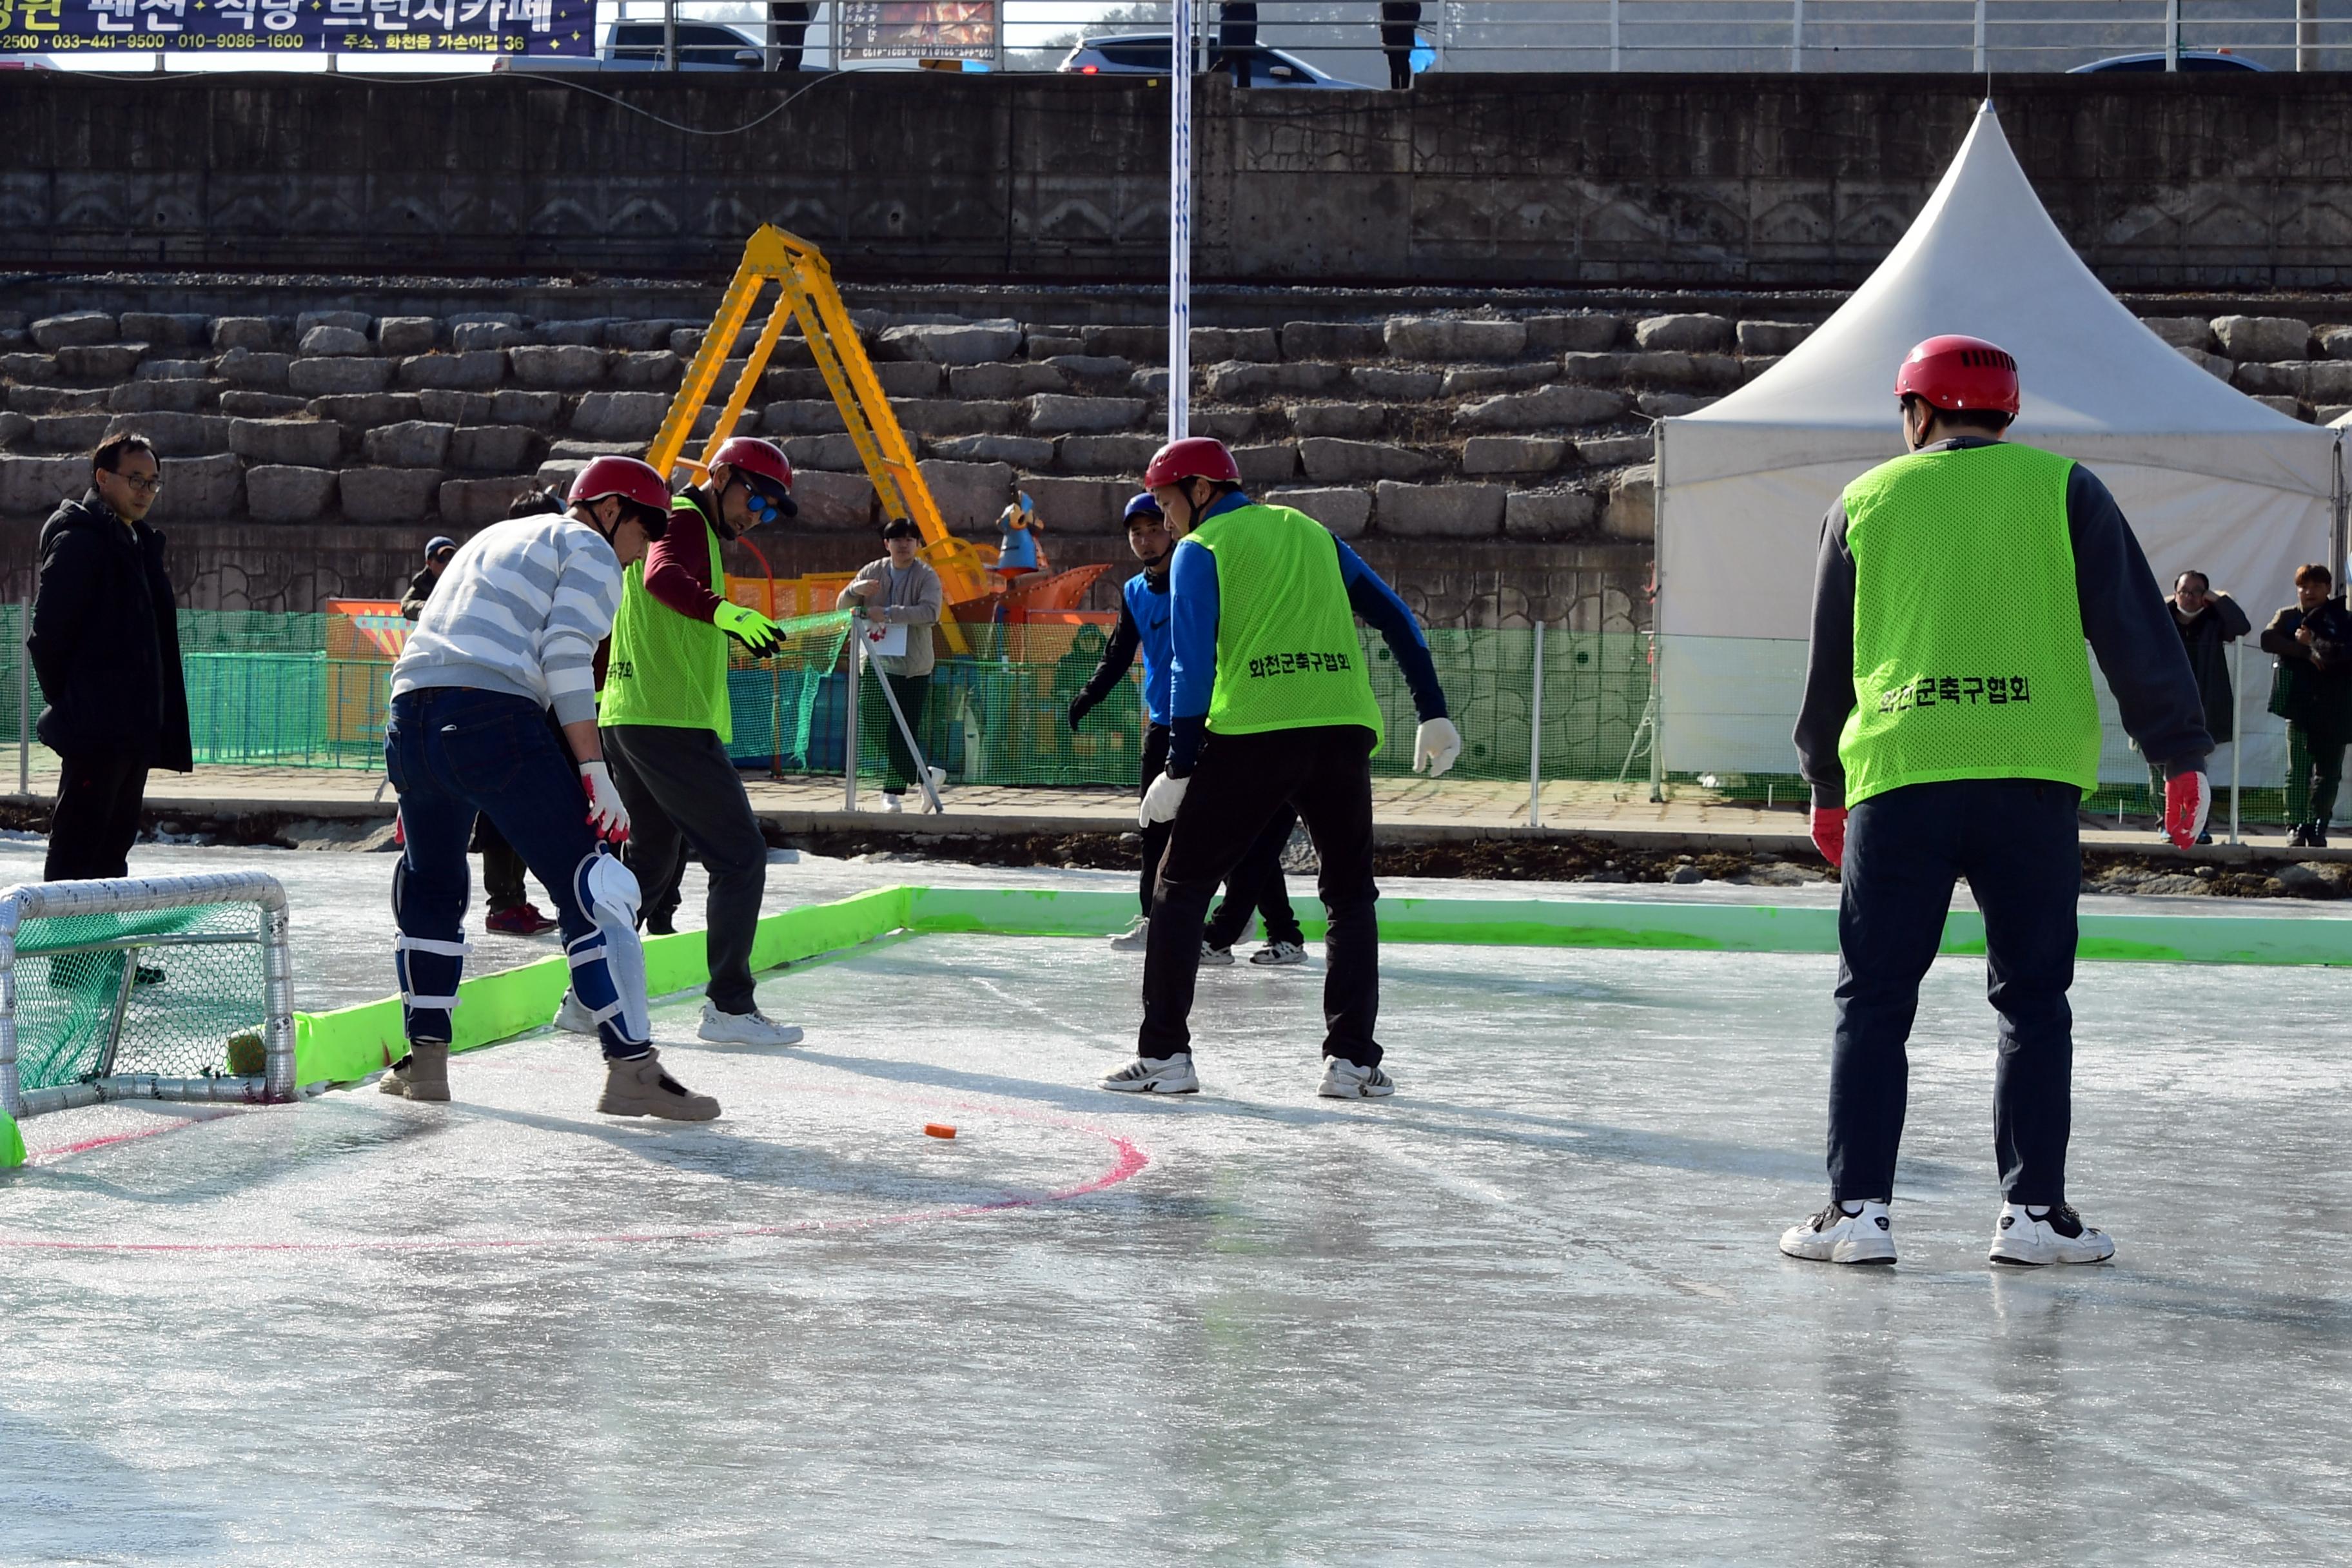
[
  {"x": 1143, "y": 627},
  {"x": 1192, "y": 591}
]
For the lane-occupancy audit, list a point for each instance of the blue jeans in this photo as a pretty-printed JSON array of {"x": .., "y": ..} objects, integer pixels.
[
  {"x": 2017, "y": 842},
  {"x": 454, "y": 752}
]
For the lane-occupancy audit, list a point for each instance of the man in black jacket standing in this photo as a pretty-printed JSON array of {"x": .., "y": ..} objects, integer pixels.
[
  {"x": 2312, "y": 690},
  {"x": 106, "y": 646}
]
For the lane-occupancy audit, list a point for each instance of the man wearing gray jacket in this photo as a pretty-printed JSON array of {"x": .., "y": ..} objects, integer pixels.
[{"x": 899, "y": 590}]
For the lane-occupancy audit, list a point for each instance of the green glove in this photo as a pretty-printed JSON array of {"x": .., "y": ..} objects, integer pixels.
[{"x": 748, "y": 627}]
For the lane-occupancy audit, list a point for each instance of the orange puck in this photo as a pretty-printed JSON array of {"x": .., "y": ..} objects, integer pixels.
[{"x": 938, "y": 1130}]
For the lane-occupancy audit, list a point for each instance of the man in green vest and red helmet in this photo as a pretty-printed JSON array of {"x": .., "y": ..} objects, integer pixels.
[
  {"x": 1269, "y": 705},
  {"x": 1949, "y": 729},
  {"x": 665, "y": 721}
]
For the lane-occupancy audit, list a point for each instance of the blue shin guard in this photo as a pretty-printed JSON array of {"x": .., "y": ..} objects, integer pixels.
[
  {"x": 429, "y": 968},
  {"x": 608, "y": 965}
]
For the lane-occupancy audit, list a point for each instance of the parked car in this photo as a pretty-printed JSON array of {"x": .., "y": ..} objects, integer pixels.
[
  {"x": 1148, "y": 54},
  {"x": 2190, "y": 60},
  {"x": 638, "y": 46}
]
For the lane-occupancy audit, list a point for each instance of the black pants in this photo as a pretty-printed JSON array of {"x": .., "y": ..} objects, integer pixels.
[
  {"x": 788, "y": 25},
  {"x": 1397, "y": 19},
  {"x": 98, "y": 798},
  {"x": 1153, "y": 763},
  {"x": 502, "y": 867},
  {"x": 874, "y": 713},
  {"x": 2016, "y": 842},
  {"x": 681, "y": 788},
  {"x": 1256, "y": 888},
  {"x": 1241, "y": 783},
  {"x": 2315, "y": 772}
]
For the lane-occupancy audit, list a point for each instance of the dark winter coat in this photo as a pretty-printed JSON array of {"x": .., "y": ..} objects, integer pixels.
[
  {"x": 2207, "y": 636},
  {"x": 420, "y": 588},
  {"x": 106, "y": 639},
  {"x": 2313, "y": 683}
]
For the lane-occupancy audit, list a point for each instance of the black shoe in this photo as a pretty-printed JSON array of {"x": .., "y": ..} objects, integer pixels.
[
  {"x": 2316, "y": 838},
  {"x": 2206, "y": 838},
  {"x": 661, "y": 925},
  {"x": 2299, "y": 838}
]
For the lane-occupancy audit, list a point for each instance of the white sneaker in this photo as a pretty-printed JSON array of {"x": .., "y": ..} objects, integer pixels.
[
  {"x": 2033, "y": 1233},
  {"x": 1279, "y": 952},
  {"x": 1215, "y": 956},
  {"x": 752, "y": 1029},
  {"x": 1854, "y": 1231},
  {"x": 1133, "y": 938},
  {"x": 891, "y": 802},
  {"x": 1155, "y": 1075},
  {"x": 1346, "y": 1080},
  {"x": 575, "y": 1016},
  {"x": 938, "y": 781}
]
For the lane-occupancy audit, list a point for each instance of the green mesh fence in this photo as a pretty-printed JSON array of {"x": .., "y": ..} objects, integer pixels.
[
  {"x": 159, "y": 991},
  {"x": 774, "y": 702},
  {"x": 305, "y": 690}
]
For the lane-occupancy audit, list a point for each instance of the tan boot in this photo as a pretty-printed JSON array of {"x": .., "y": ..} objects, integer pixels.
[
  {"x": 428, "y": 1072},
  {"x": 639, "y": 1087},
  {"x": 394, "y": 1081}
]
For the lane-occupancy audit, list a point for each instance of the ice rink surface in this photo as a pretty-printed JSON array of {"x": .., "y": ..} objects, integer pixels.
[{"x": 1528, "y": 1311}]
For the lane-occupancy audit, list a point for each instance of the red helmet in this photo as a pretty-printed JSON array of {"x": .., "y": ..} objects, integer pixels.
[
  {"x": 1194, "y": 458},
  {"x": 1953, "y": 372},
  {"x": 764, "y": 464},
  {"x": 624, "y": 477}
]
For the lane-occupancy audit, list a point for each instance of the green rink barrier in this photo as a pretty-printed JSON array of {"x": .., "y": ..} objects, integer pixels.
[
  {"x": 1686, "y": 927},
  {"x": 12, "y": 1143},
  {"x": 352, "y": 1042}
]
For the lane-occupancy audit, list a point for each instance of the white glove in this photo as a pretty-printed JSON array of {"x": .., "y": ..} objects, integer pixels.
[
  {"x": 1434, "y": 746},
  {"x": 1161, "y": 801},
  {"x": 606, "y": 815}
]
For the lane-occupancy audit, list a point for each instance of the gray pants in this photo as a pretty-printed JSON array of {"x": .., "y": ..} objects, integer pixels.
[{"x": 682, "y": 788}]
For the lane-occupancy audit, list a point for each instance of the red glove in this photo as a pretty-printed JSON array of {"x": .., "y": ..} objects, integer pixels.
[
  {"x": 1829, "y": 833},
  {"x": 2188, "y": 801}
]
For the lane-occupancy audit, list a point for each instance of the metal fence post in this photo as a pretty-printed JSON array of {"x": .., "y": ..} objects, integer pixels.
[
  {"x": 2172, "y": 35},
  {"x": 25, "y": 698},
  {"x": 1535, "y": 732},
  {"x": 1616, "y": 36},
  {"x": 669, "y": 34},
  {"x": 2237, "y": 728},
  {"x": 1796, "y": 34},
  {"x": 1977, "y": 60},
  {"x": 849, "y": 721}
]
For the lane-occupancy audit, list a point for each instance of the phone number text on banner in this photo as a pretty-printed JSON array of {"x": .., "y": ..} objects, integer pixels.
[{"x": 369, "y": 26}]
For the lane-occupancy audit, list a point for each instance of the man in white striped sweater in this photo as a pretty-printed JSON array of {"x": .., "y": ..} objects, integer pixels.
[{"x": 509, "y": 634}]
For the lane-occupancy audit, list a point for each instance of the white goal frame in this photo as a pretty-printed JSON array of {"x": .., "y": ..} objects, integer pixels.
[{"x": 131, "y": 895}]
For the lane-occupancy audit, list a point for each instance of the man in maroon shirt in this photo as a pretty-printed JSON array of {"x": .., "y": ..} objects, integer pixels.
[{"x": 665, "y": 723}]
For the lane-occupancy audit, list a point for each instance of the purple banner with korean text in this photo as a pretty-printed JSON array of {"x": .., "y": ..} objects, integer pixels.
[{"x": 346, "y": 27}]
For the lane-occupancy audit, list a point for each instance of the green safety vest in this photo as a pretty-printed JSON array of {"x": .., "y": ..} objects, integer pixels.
[
  {"x": 666, "y": 669},
  {"x": 1287, "y": 654},
  {"x": 1968, "y": 659}
]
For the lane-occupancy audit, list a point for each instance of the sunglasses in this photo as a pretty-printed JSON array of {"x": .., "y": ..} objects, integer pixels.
[{"x": 764, "y": 507}]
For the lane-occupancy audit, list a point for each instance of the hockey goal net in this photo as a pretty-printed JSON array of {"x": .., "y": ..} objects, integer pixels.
[{"x": 144, "y": 988}]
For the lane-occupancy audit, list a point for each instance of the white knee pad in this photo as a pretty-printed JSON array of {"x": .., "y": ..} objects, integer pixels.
[{"x": 608, "y": 964}]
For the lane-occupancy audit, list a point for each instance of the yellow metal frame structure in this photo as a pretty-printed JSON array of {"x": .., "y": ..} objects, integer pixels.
[{"x": 806, "y": 293}]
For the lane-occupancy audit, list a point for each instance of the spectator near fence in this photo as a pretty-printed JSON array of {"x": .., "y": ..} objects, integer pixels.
[
  {"x": 2311, "y": 688},
  {"x": 105, "y": 645},
  {"x": 2209, "y": 623},
  {"x": 1398, "y": 20},
  {"x": 899, "y": 590}
]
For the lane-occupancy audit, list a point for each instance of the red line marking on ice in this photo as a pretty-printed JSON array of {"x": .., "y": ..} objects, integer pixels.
[
  {"x": 44, "y": 1156},
  {"x": 1129, "y": 1161}
]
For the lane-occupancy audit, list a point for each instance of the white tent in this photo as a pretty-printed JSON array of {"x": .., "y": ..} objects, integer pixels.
[{"x": 2209, "y": 479}]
